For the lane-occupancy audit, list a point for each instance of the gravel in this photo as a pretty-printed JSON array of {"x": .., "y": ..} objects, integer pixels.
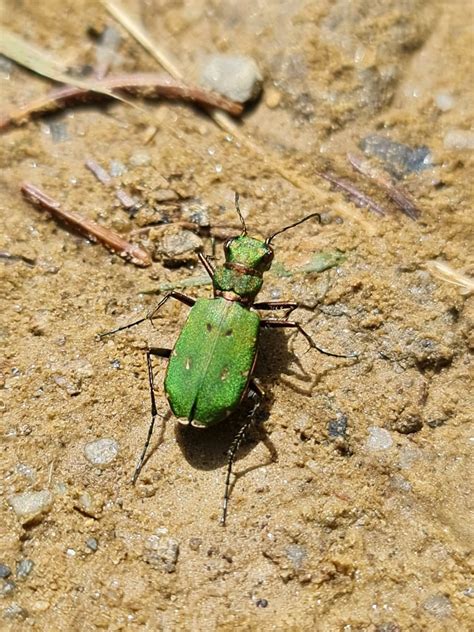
[
  {"x": 438, "y": 606},
  {"x": 31, "y": 506},
  {"x": 296, "y": 554},
  {"x": 234, "y": 76},
  {"x": 459, "y": 139},
  {"x": 379, "y": 439},
  {"x": 24, "y": 568},
  {"x": 338, "y": 427},
  {"x": 92, "y": 544},
  {"x": 161, "y": 551},
  {"x": 5, "y": 571},
  {"x": 101, "y": 451},
  {"x": 398, "y": 158}
]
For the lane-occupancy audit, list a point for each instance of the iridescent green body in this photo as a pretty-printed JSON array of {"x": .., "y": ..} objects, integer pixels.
[{"x": 211, "y": 363}]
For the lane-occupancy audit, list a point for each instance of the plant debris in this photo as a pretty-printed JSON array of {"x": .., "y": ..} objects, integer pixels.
[
  {"x": 90, "y": 229},
  {"x": 145, "y": 85}
]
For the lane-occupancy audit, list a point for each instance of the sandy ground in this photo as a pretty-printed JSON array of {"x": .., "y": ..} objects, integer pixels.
[{"x": 350, "y": 510}]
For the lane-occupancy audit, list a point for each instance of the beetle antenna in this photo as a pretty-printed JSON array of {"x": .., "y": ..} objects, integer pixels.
[
  {"x": 282, "y": 230},
  {"x": 237, "y": 208}
]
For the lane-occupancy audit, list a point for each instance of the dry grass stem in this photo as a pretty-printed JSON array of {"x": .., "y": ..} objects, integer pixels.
[
  {"x": 146, "y": 85},
  {"x": 446, "y": 273},
  {"x": 90, "y": 229},
  {"x": 382, "y": 178}
]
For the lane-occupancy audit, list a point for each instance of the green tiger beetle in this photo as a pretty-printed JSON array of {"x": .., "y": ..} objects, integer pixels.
[{"x": 210, "y": 369}]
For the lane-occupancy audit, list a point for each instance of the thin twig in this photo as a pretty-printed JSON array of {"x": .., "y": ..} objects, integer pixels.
[
  {"x": 382, "y": 178},
  {"x": 145, "y": 85},
  {"x": 90, "y": 229},
  {"x": 358, "y": 197}
]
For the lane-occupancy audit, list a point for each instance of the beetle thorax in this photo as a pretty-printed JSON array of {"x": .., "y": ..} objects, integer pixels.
[{"x": 246, "y": 259}]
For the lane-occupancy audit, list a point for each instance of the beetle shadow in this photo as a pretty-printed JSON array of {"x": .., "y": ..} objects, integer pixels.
[{"x": 207, "y": 448}]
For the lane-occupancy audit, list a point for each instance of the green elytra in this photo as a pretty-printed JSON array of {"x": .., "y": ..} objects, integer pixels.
[{"x": 210, "y": 368}]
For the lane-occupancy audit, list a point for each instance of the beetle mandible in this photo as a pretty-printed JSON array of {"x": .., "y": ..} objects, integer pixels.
[{"x": 210, "y": 368}]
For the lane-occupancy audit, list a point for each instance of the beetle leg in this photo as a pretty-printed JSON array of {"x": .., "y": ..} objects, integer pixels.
[
  {"x": 289, "y": 306},
  {"x": 204, "y": 259},
  {"x": 275, "y": 323},
  {"x": 162, "y": 353},
  {"x": 187, "y": 300},
  {"x": 257, "y": 392}
]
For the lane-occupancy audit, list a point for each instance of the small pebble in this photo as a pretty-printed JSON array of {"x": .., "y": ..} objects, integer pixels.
[
  {"x": 234, "y": 76},
  {"x": 90, "y": 505},
  {"x": 92, "y": 544},
  {"x": 338, "y": 427},
  {"x": 26, "y": 471},
  {"x": 101, "y": 451},
  {"x": 5, "y": 571},
  {"x": 161, "y": 551},
  {"x": 407, "y": 456},
  {"x": 379, "y": 439},
  {"x": 272, "y": 98},
  {"x": 140, "y": 158},
  {"x": 7, "y": 586},
  {"x": 459, "y": 139},
  {"x": 296, "y": 554},
  {"x": 261, "y": 603},
  {"x": 196, "y": 212},
  {"x": 24, "y": 568},
  {"x": 183, "y": 242},
  {"x": 444, "y": 101},
  {"x": 438, "y": 605},
  {"x": 398, "y": 158},
  {"x": 164, "y": 195},
  {"x": 15, "y": 611},
  {"x": 195, "y": 543},
  {"x": 31, "y": 506},
  {"x": 117, "y": 168}
]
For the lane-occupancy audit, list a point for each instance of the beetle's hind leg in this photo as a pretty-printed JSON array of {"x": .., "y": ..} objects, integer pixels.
[
  {"x": 255, "y": 391},
  {"x": 161, "y": 353}
]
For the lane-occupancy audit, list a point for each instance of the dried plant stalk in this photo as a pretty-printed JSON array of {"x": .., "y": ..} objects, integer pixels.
[
  {"x": 382, "y": 178},
  {"x": 443, "y": 271},
  {"x": 146, "y": 85},
  {"x": 90, "y": 229}
]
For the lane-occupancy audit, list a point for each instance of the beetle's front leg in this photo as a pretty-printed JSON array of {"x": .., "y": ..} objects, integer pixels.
[
  {"x": 274, "y": 323},
  {"x": 161, "y": 353},
  {"x": 204, "y": 259},
  {"x": 187, "y": 300}
]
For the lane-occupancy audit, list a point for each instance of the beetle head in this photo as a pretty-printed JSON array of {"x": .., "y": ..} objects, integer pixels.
[{"x": 249, "y": 252}]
